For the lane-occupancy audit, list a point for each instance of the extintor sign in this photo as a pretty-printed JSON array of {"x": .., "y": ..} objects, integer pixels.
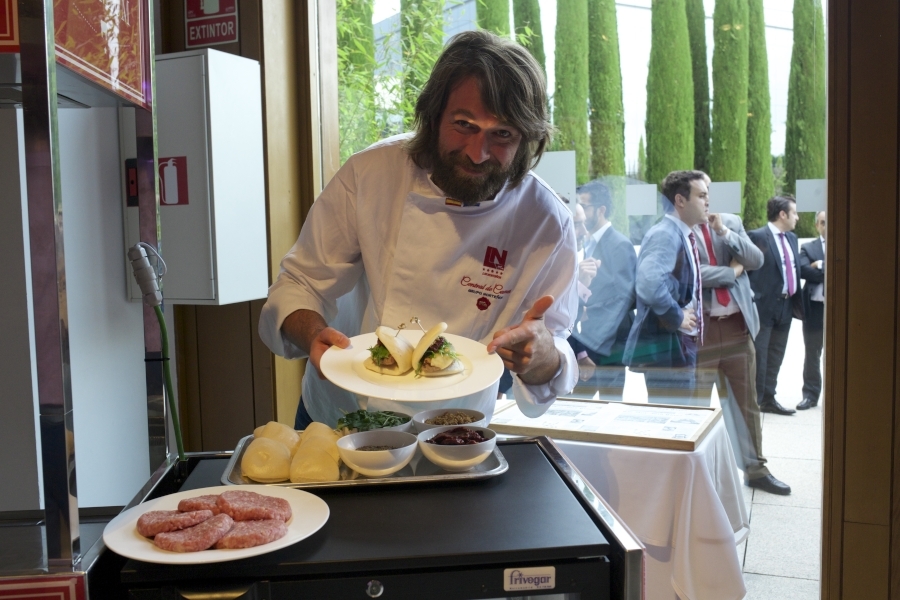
[{"x": 173, "y": 181}]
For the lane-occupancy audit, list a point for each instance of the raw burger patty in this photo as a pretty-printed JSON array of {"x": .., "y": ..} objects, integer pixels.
[
  {"x": 250, "y": 506},
  {"x": 154, "y": 522},
  {"x": 247, "y": 534},
  {"x": 207, "y": 502},
  {"x": 196, "y": 538}
]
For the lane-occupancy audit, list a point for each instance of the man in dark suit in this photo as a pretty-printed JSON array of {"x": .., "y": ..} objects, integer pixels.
[
  {"x": 608, "y": 308},
  {"x": 812, "y": 269},
  {"x": 776, "y": 289},
  {"x": 668, "y": 327},
  {"x": 728, "y": 357}
]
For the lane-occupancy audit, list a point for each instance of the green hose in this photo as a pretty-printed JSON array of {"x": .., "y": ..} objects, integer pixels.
[{"x": 176, "y": 423}]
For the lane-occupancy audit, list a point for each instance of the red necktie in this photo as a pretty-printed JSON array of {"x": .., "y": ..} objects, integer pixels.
[
  {"x": 698, "y": 283},
  {"x": 788, "y": 267},
  {"x": 722, "y": 294}
]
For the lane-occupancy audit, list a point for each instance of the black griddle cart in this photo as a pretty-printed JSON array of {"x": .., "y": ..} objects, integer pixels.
[{"x": 540, "y": 524}]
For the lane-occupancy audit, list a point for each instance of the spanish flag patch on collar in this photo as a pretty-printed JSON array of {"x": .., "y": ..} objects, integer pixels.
[{"x": 453, "y": 202}]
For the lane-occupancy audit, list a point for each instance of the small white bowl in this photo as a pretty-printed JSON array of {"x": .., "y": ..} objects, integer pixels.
[
  {"x": 408, "y": 426},
  {"x": 419, "y": 419},
  {"x": 377, "y": 463},
  {"x": 457, "y": 459}
]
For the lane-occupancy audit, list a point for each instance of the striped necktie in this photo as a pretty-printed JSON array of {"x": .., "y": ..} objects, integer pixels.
[{"x": 698, "y": 293}]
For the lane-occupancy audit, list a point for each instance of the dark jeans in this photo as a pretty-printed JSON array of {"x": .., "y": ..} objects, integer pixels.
[{"x": 302, "y": 418}]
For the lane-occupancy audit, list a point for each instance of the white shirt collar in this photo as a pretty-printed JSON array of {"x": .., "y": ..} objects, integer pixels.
[{"x": 775, "y": 231}]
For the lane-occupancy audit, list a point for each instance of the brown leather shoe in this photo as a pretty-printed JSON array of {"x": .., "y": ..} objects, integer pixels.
[{"x": 808, "y": 402}]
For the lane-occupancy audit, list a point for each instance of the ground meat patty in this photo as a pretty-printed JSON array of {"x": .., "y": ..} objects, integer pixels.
[
  {"x": 247, "y": 534},
  {"x": 250, "y": 506},
  {"x": 207, "y": 502},
  {"x": 155, "y": 522},
  {"x": 196, "y": 538}
]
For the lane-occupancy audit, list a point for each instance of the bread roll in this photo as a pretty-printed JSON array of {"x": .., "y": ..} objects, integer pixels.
[
  {"x": 281, "y": 433},
  {"x": 266, "y": 461},
  {"x": 322, "y": 443},
  {"x": 313, "y": 465},
  {"x": 319, "y": 429}
]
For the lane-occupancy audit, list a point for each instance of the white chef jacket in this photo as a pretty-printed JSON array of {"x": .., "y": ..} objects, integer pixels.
[{"x": 381, "y": 245}]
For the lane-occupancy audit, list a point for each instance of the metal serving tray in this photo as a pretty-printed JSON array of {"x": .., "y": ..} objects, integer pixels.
[{"x": 419, "y": 470}]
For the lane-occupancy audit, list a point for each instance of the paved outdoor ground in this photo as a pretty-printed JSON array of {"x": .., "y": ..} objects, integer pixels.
[{"x": 782, "y": 554}]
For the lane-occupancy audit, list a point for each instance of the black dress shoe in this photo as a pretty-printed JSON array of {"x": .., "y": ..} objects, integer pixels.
[
  {"x": 808, "y": 402},
  {"x": 772, "y": 406},
  {"x": 771, "y": 485}
]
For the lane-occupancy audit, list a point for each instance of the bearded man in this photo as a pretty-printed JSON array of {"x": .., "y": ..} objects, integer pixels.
[{"x": 447, "y": 224}]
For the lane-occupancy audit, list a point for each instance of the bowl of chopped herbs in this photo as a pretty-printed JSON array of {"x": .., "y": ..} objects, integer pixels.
[{"x": 363, "y": 420}]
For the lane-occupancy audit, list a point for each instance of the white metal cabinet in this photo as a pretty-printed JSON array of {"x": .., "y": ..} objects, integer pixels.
[{"x": 213, "y": 227}]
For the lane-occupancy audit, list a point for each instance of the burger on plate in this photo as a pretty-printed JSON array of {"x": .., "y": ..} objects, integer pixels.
[
  {"x": 391, "y": 354},
  {"x": 434, "y": 356}
]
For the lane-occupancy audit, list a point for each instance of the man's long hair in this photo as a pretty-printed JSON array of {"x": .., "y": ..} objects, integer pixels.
[{"x": 513, "y": 88}]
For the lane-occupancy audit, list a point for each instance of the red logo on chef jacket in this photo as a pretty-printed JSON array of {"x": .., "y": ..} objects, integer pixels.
[
  {"x": 173, "y": 182},
  {"x": 494, "y": 263},
  {"x": 483, "y": 303}
]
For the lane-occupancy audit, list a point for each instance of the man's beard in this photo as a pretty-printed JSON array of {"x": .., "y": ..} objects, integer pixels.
[{"x": 465, "y": 188}]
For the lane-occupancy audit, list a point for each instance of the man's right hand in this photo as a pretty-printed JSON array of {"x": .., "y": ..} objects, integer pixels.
[
  {"x": 587, "y": 270},
  {"x": 689, "y": 321},
  {"x": 309, "y": 331},
  {"x": 738, "y": 268}
]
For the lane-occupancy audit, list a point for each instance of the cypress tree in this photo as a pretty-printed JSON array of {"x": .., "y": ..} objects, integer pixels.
[
  {"x": 493, "y": 15},
  {"x": 642, "y": 161},
  {"x": 670, "y": 92},
  {"x": 570, "y": 102},
  {"x": 760, "y": 180},
  {"x": 356, "y": 76},
  {"x": 607, "y": 115},
  {"x": 527, "y": 20},
  {"x": 804, "y": 145},
  {"x": 728, "y": 156},
  {"x": 696, "y": 18},
  {"x": 421, "y": 41}
]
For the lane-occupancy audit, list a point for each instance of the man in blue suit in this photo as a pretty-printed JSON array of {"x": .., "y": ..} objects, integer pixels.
[
  {"x": 608, "y": 311},
  {"x": 776, "y": 291},
  {"x": 668, "y": 327}
]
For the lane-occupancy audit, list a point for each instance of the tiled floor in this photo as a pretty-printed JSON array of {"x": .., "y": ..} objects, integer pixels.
[{"x": 782, "y": 556}]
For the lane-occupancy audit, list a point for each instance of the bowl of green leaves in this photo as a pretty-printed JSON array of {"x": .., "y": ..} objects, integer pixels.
[{"x": 363, "y": 420}]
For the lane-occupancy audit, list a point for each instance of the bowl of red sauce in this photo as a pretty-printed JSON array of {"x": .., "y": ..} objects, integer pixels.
[{"x": 457, "y": 448}]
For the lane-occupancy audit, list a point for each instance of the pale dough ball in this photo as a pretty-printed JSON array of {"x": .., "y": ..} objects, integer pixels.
[
  {"x": 321, "y": 443},
  {"x": 266, "y": 461},
  {"x": 280, "y": 433},
  {"x": 314, "y": 465},
  {"x": 319, "y": 429}
]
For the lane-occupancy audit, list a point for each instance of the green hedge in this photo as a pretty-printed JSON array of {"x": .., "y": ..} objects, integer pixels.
[
  {"x": 493, "y": 15},
  {"x": 527, "y": 21}
]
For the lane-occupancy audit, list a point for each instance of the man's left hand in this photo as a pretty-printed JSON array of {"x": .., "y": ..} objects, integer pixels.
[{"x": 528, "y": 348}]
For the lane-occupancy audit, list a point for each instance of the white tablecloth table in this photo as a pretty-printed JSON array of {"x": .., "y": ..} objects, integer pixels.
[{"x": 685, "y": 507}]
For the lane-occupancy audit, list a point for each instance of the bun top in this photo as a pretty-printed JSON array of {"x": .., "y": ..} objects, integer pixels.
[
  {"x": 399, "y": 347},
  {"x": 426, "y": 341}
]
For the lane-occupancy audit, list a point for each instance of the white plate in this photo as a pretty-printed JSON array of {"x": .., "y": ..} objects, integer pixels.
[
  {"x": 309, "y": 514},
  {"x": 344, "y": 368}
]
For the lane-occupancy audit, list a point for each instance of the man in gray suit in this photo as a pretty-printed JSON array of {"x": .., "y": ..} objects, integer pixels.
[
  {"x": 608, "y": 272},
  {"x": 668, "y": 327},
  {"x": 728, "y": 357}
]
